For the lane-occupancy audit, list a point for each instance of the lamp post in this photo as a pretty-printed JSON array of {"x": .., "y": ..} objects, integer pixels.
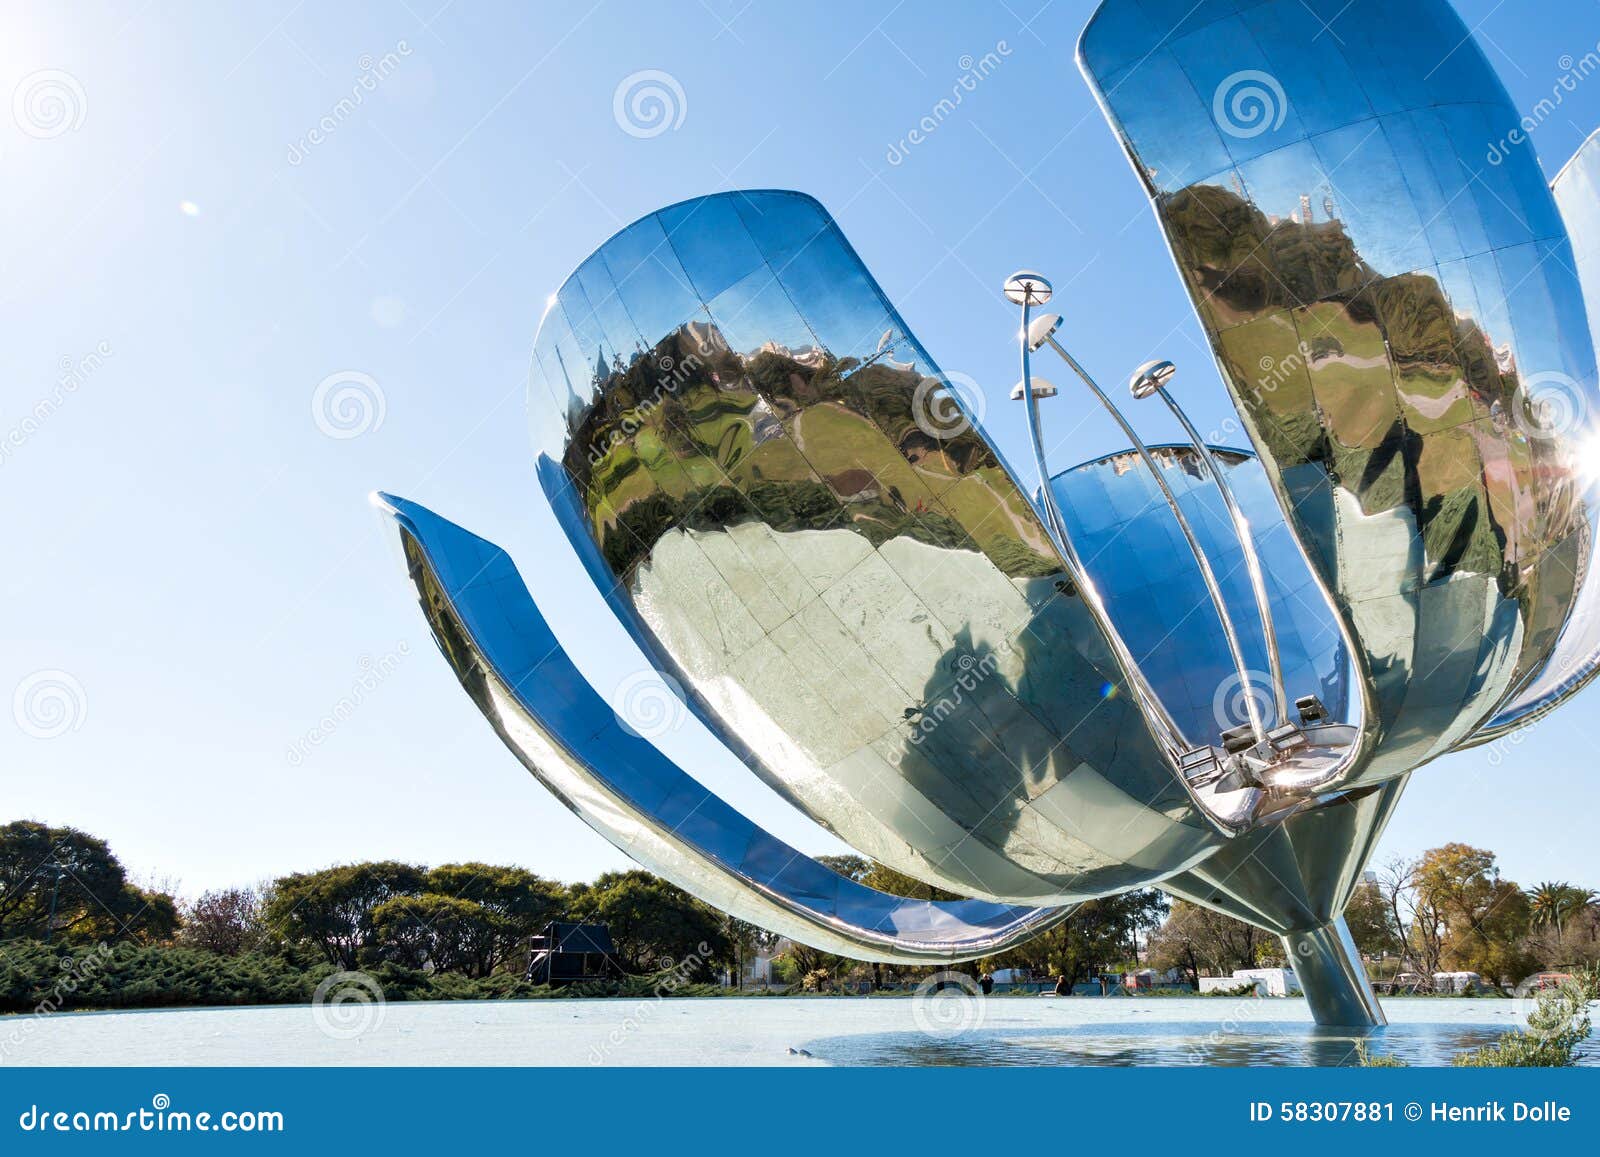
[{"x": 1150, "y": 380}]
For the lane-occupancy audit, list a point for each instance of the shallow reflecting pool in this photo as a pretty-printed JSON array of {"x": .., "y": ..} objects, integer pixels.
[{"x": 756, "y": 1031}]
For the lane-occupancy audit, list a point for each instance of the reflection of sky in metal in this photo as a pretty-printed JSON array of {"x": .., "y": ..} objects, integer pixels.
[
  {"x": 1383, "y": 302},
  {"x": 737, "y": 436},
  {"x": 1136, "y": 554}
]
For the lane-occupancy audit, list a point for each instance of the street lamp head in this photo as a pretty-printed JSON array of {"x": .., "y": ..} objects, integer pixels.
[
  {"x": 1041, "y": 389},
  {"x": 1150, "y": 378},
  {"x": 1041, "y": 327},
  {"x": 1024, "y": 287}
]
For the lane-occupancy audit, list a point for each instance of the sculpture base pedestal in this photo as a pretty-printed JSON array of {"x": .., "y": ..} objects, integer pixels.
[{"x": 1328, "y": 966}]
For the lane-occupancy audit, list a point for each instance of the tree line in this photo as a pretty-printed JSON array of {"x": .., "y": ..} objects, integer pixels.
[{"x": 465, "y": 928}]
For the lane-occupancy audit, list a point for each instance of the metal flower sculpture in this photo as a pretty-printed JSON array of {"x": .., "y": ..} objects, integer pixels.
[{"x": 1210, "y": 669}]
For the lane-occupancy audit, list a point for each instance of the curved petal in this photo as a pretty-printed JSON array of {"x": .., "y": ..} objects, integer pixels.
[
  {"x": 515, "y": 670},
  {"x": 1394, "y": 319},
  {"x": 1576, "y": 659},
  {"x": 790, "y": 509}
]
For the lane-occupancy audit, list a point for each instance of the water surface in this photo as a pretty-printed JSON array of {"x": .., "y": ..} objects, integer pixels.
[{"x": 757, "y": 1031}]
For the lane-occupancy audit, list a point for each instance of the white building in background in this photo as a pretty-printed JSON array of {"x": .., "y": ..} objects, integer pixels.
[{"x": 1267, "y": 981}]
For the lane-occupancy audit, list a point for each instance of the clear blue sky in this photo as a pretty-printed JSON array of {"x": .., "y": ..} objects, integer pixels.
[{"x": 200, "y": 557}]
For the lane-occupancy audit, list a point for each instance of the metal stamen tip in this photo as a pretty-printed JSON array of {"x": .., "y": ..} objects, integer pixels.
[
  {"x": 1041, "y": 389},
  {"x": 1150, "y": 377},
  {"x": 1041, "y": 327},
  {"x": 1025, "y": 287}
]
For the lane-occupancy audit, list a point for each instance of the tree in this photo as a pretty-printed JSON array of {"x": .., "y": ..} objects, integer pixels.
[
  {"x": 654, "y": 924},
  {"x": 1100, "y": 934},
  {"x": 65, "y": 885},
  {"x": 1484, "y": 917},
  {"x": 1555, "y": 903},
  {"x": 227, "y": 922},
  {"x": 1197, "y": 940},
  {"x": 1371, "y": 921},
  {"x": 434, "y": 932},
  {"x": 332, "y": 909},
  {"x": 516, "y": 904}
]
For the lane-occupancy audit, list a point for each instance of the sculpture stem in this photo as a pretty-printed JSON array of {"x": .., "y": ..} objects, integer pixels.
[{"x": 1328, "y": 965}]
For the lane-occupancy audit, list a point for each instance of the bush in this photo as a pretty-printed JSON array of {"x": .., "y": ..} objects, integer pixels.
[{"x": 1557, "y": 1026}]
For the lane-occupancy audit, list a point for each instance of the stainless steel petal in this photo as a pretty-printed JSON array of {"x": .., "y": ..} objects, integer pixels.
[
  {"x": 520, "y": 677},
  {"x": 1395, "y": 313},
  {"x": 794, "y": 511}
]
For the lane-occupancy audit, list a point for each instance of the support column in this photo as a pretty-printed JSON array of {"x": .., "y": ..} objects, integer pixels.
[{"x": 1328, "y": 966}]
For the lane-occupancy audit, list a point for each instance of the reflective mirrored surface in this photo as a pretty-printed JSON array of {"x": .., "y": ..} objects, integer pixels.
[
  {"x": 791, "y": 510},
  {"x": 1133, "y": 550},
  {"x": 1393, "y": 301},
  {"x": 515, "y": 670}
]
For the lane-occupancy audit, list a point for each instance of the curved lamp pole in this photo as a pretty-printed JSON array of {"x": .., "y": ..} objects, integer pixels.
[
  {"x": 1042, "y": 331},
  {"x": 1151, "y": 379}
]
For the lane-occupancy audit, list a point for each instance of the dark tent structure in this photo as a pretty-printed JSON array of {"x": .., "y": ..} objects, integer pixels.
[{"x": 568, "y": 953}]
